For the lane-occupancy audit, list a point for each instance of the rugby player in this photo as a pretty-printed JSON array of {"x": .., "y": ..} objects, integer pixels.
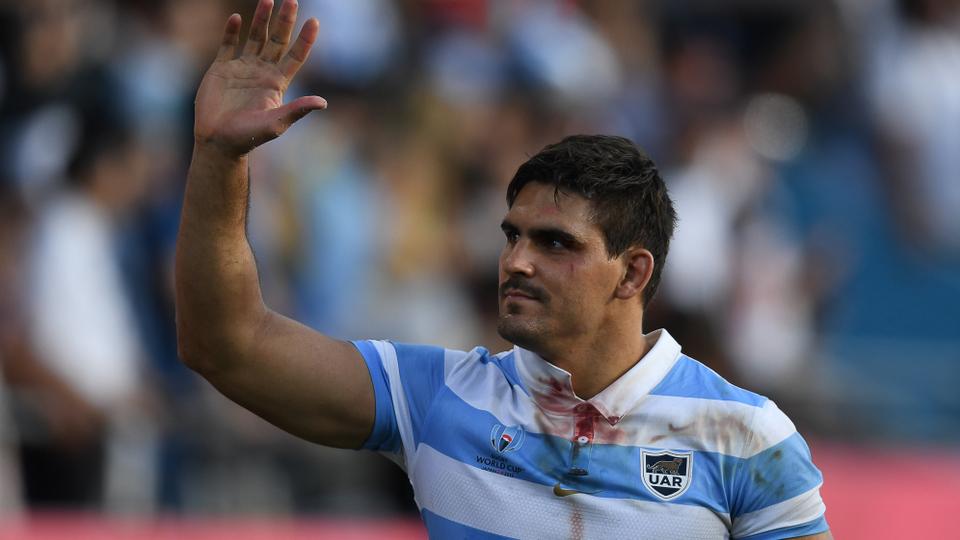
[{"x": 586, "y": 428}]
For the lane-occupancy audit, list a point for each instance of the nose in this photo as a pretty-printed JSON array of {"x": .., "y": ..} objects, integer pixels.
[{"x": 516, "y": 259}]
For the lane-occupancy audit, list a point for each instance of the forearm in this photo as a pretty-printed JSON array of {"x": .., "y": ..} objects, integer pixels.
[{"x": 218, "y": 296}]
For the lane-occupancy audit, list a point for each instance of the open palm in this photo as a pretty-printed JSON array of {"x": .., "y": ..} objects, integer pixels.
[{"x": 240, "y": 101}]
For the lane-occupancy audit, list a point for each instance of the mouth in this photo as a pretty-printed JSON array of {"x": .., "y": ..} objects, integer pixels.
[{"x": 514, "y": 294}]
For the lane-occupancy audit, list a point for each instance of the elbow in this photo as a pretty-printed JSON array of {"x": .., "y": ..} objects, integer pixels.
[
  {"x": 191, "y": 352},
  {"x": 196, "y": 350},
  {"x": 209, "y": 348}
]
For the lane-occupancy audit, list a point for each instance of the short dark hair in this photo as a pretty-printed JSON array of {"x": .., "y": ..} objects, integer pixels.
[{"x": 629, "y": 198}]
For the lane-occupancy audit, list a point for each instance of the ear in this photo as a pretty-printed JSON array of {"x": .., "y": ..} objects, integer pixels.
[{"x": 638, "y": 268}]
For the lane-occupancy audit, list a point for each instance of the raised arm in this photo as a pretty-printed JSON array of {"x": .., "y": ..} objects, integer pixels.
[{"x": 300, "y": 380}]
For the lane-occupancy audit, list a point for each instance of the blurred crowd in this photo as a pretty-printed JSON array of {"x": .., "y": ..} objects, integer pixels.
[{"x": 812, "y": 148}]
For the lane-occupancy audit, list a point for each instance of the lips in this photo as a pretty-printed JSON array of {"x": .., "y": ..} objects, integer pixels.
[{"x": 513, "y": 294}]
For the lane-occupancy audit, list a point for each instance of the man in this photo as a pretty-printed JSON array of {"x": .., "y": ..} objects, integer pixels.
[{"x": 587, "y": 428}]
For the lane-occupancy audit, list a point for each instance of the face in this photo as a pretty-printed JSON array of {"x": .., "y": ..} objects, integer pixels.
[{"x": 557, "y": 282}]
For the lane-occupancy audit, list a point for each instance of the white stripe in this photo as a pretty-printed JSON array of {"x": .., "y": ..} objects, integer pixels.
[
  {"x": 388, "y": 355},
  {"x": 520, "y": 509},
  {"x": 683, "y": 423},
  {"x": 453, "y": 358},
  {"x": 485, "y": 387},
  {"x": 770, "y": 427},
  {"x": 798, "y": 510},
  {"x": 725, "y": 427}
]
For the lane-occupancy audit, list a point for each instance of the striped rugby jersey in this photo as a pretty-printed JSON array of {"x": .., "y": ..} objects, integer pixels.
[{"x": 500, "y": 446}]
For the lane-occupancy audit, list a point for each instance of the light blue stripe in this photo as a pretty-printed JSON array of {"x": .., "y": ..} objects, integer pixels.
[
  {"x": 615, "y": 470},
  {"x": 818, "y": 525},
  {"x": 385, "y": 436},
  {"x": 442, "y": 528},
  {"x": 421, "y": 375},
  {"x": 778, "y": 473},
  {"x": 690, "y": 378}
]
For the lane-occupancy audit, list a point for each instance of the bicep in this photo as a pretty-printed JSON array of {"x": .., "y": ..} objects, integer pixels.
[{"x": 302, "y": 381}]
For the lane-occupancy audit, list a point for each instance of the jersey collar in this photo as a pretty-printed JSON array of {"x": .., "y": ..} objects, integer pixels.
[{"x": 552, "y": 389}]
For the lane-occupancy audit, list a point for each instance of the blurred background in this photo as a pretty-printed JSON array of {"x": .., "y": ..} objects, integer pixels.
[{"x": 812, "y": 148}]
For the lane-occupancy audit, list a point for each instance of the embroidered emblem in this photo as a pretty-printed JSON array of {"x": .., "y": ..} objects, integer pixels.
[{"x": 666, "y": 474}]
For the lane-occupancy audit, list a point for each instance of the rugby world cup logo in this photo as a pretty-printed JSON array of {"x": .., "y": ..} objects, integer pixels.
[
  {"x": 666, "y": 474},
  {"x": 506, "y": 438}
]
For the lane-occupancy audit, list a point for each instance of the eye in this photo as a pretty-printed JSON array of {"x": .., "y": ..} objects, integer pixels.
[
  {"x": 512, "y": 236},
  {"x": 555, "y": 243}
]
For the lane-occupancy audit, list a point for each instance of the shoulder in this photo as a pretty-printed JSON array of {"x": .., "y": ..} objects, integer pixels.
[
  {"x": 772, "y": 485},
  {"x": 753, "y": 422}
]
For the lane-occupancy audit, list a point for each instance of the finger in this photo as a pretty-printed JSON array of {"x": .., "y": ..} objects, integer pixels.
[
  {"x": 258, "y": 28},
  {"x": 298, "y": 108},
  {"x": 300, "y": 50},
  {"x": 231, "y": 38},
  {"x": 282, "y": 30}
]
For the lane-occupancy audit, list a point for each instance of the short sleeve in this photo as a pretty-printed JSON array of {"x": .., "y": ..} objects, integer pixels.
[
  {"x": 406, "y": 379},
  {"x": 776, "y": 490}
]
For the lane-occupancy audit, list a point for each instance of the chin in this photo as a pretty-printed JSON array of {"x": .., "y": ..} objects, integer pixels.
[{"x": 526, "y": 334}]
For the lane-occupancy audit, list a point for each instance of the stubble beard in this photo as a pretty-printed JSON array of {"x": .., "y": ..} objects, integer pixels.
[{"x": 521, "y": 331}]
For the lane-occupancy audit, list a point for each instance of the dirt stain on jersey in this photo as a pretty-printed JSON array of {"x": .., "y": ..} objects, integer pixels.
[{"x": 771, "y": 475}]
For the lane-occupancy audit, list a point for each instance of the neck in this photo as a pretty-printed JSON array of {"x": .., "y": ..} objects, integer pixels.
[{"x": 595, "y": 363}]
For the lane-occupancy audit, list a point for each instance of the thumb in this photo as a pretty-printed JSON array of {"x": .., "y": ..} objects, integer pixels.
[{"x": 300, "y": 107}]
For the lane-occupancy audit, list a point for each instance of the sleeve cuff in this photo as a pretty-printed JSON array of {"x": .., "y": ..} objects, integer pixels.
[{"x": 381, "y": 435}]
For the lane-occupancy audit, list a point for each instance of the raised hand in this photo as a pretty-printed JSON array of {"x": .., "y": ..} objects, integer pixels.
[{"x": 239, "y": 105}]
